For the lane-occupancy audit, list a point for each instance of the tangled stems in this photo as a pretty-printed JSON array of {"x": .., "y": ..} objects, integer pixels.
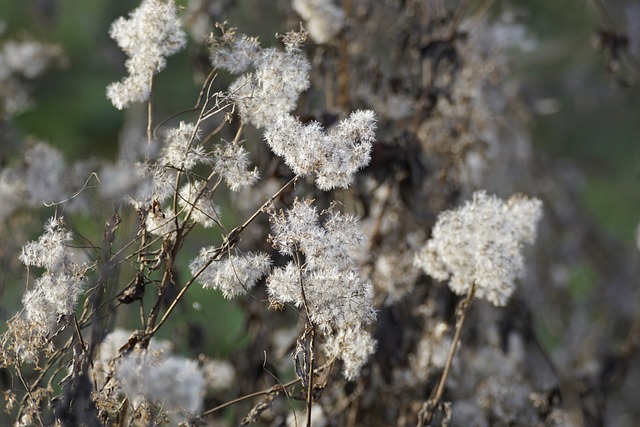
[{"x": 229, "y": 242}]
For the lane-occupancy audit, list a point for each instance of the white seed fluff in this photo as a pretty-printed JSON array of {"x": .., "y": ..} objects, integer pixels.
[
  {"x": 234, "y": 275},
  {"x": 174, "y": 383},
  {"x": 481, "y": 242},
  {"x": 152, "y": 32},
  {"x": 56, "y": 291},
  {"x": 334, "y": 156}
]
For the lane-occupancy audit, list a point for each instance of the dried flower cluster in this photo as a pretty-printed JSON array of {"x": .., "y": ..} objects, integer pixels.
[
  {"x": 481, "y": 243},
  {"x": 324, "y": 279},
  {"x": 233, "y": 275},
  {"x": 152, "y": 32},
  {"x": 273, "y": 88},
  {"x": 327, "y": 283},
  {"x": 54, "y": 294},
  {"x": 334, "y": 156}
]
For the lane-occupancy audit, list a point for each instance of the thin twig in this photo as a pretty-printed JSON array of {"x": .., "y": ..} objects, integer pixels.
[
  {"x": 277, "y": 387},
  {"x": 149, "y": 114},
  {"x": 33, "y": 401},
  {"x": 430, "y": 406},
  {"x": 229, "y": 241},
  {"x": 310, "y": 327}
]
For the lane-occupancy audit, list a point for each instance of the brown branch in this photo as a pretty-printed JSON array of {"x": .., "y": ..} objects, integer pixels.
[
  {"x": 149, "y": 114},
  {"x": 275, "y": 388},
  {"x": 426, "y": 413}
]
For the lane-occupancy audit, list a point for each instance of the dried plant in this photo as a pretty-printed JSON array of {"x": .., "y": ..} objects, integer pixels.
[{"x": 313, "y": 191}]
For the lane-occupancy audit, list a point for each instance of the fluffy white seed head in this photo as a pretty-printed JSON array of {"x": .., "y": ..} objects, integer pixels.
[
  {"x": 283, "y": 284},
  {"x": 335, "y": 294},
  {"x": 174, "y": 383},
  {"x": 152, "y": 32},
  {"x": 334, "y": 157},
  {"x": 264, "y": 96},
  {"x": 56, "y": 292},
  {"x": 303, "y": 147},
  {"x": 274, "y": 86},
  {"x": 181, "y": 150},
  {"x": 234, "y": 275},
  {"x": 194, "y": 198},
  {"x": 234, "y": 53},
  {"x": 481, "y": 243},
  {"x": 231, "y": 162},
  {"x": 353, "y": 346}
]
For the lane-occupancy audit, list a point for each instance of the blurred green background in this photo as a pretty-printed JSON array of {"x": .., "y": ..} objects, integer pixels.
[{"x": 597, "y": 122}]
